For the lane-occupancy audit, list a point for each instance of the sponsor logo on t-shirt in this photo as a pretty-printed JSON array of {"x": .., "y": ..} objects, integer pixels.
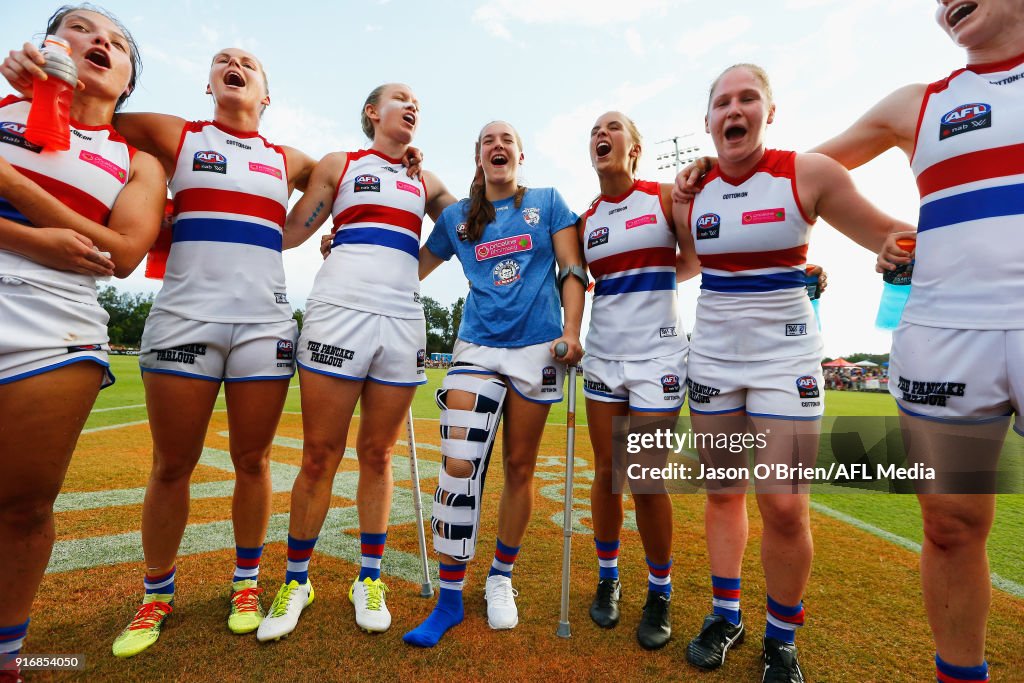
[
  {"x": 366, "y": 183},
  {"x": 764, "y": 216},
  {"x": 649, "y": 219},
  {"x": 597, "y": 238},
  {"x": 13, "y": 133},
  {"x": 667, "y": 332},
  {"x": 502, "y": 247},
  {"x": 531, "y": 216},
  {"x": 460, "y": 232},
  {"x": 807, "y": 386},
  {"x": 263, "y": 168},
  {"x": 796, "y": 329},
  {"x": 964, "y": 119},
  {"x": 708, "y": 226},
  {"x": 734, "y": 195},
  {"x": 407, "y": 187},
  {"x": 210, "y": 161},
  {"x": 105, "y": 165},
  {"x": 236, "y": 143},
  {"x": 280, "y": 297},
  {"x": 506, "y": 272}
]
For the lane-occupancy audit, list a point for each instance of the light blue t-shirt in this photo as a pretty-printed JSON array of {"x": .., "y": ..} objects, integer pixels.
[{"x": 513, "y": 298}]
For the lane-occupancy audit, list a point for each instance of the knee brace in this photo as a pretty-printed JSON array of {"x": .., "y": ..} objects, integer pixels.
[{"x": 455, "y": 517}]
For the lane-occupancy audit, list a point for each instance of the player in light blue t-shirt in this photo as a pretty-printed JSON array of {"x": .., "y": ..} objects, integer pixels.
[{"x": 508, "y": 239}]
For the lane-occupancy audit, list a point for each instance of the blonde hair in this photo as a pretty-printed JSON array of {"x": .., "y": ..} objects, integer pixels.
[{"x": 757, "y": 72}]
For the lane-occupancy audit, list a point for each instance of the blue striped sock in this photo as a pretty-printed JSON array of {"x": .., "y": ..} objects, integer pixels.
[
  {"x": 726, "y": 598},
  {"x": 659, "y": 577},
  {"x": 11, "y": 638},
  {"x": 160, "y": 584},
  {"x": 783, "y": 620},
  {"x": 607, "y": 558},
  {"x": 950, "y": 673},
  {"x": 504, "y": 559},
  {"x": 247, "y": 563},
  {"x": 299, "y": 552},
  {"x": 371, "y": 550}
]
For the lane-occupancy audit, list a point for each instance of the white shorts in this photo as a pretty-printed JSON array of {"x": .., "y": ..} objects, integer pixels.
[
  {"x": 657, "y": 385},
  {"x": 787, "y": 388},
  {"x": 958, "y": 375},
  {"x": 350, "y": 344},
  {"x": 232, "y": 352},
  {"x": 532, "y": 371},
  {"x": 42, "y": 331}
]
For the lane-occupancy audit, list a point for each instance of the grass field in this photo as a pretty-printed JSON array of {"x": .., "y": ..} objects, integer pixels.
[{"x": 865, "y": 618}]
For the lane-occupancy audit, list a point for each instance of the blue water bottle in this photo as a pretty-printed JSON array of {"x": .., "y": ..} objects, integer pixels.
[
  {"x": 813, "y": 284},
  {"x": 895, "y": 290}
]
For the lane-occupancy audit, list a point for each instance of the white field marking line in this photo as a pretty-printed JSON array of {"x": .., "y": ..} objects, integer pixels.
[
  {"x": 107, "y": 410},
  {"x": 1003, "y": 584}
]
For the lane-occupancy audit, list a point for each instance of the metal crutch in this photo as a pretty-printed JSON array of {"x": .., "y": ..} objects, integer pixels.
[
  {"x": 426, "y": 590},
  {"x": 570, "y": 442}
]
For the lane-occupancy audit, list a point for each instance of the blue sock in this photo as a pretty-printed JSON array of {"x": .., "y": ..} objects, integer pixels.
[
  {"x": 299, "y": 552},
  {"x": 160, "y": 584},
  {"x": 371, "y": 550},
  {"x": 659, "y": 577},
  {"x": 949, "y": 673},
  {"x": 726, "y": 598},
  {"x": 448, "y": 611},
  {"x": 783, "y": 621},
  {"x": 11, "y": 638},
  {"x": 247, "y": 563},
  {"x": 607, "y": 558},
  {"x": 504, "y": 559}
]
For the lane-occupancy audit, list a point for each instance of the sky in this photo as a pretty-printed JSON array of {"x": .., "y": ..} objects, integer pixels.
[{"x": 551, "y": 67}]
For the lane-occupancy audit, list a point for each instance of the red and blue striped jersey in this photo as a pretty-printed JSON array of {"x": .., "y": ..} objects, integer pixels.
[
  {"x": 969, "y": 164},
  {"x": 374, "y": 261},
  {"x": 751, "y": 237},
  {"x": 87, "y": 178},
  {"x": 230, "y": 192},
  {"x": 631, "y": 252}
]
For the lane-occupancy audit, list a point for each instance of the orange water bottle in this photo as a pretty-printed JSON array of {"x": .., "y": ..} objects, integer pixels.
[{"x": 49, "y": 119}]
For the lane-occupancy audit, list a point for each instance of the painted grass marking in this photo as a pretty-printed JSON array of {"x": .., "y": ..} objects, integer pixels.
[
  {"x": 107, "y": 410},
  {"x": 93, "y": 430},
  {"x": 1003, "y": 584}
]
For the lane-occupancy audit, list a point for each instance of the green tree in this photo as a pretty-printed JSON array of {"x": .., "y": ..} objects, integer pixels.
[
  {"x": 298, "y": 315},
  {"x": 438, "y": 323},
  {"x": 455, "y": 317},
  {"x": 128, "y": 313}
]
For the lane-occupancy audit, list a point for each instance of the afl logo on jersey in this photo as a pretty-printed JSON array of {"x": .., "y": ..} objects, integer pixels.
[
  {"x": 366, "y": 183},
  {"x": 421, "y": 358},
  {"x": 708, "y": 226},
  {"x": 285, "y": 349},
  {"x": 597, "y": 238},
  {"x": 548, "y": 376},
  {"x": 964, "y": 119},
  {"x": 506, "y": 272},
  {"x": 208, "y": 160},
  {"x": 670, "y": 384},
  {"x": 13, "y": 133},
  {"x": 807, "y": 386}
]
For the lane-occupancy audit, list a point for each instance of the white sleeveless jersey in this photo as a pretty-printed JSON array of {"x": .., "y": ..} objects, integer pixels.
[
  {"x": 751, "y": 237},
  {"x": 230, "y": 193},
  {"x": 374, "y": 261},
  {"x": 969, "y": 163},
  {"x": 631, "y": 252},
  {"x": 87, "y": 178}
]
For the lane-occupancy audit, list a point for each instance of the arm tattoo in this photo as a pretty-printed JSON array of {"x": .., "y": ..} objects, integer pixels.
[{"x": 312, "y": 216}]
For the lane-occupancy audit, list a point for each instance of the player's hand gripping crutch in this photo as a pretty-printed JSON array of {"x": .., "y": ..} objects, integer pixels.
[
  {"x": 426, "y": 590},
  {"x": 570, "y": 441}
]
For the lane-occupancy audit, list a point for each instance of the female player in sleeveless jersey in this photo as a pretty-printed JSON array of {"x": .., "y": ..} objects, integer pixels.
[
  {"x": 636, "y": 356},
  {"x": 755, "y": 354},
  {"x": 363, "y": 340},
  {"x": 53, "y": 354},
  {"x": 222, "y": 315},
  {"x": 964, "y": 319},
  {"x": 508, "y": 239}
]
